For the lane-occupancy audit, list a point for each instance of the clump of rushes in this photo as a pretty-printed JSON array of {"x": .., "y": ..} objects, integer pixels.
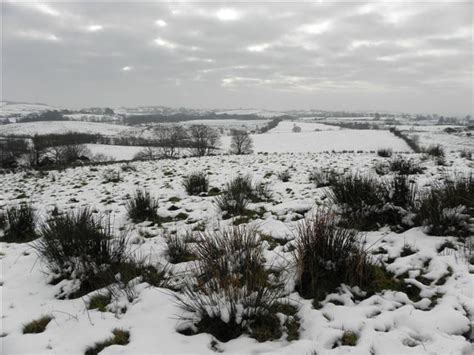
[
  {"x": 385, "y": 152},
  {"x": 142, "y": 207},
  {"x": 233, "y": 292},
  {"x": 178, "y": 250},
  {"x": 368, "y": 203},
  {"x": 19, "y": 223},
  {"x": 120, "y": 337},
  {"x": 327, "y": 256},
  {"x": 403, "y": 166},
  {"x": 446, "y": 208},
  {"x": 435, "y": 151},
  {"x": 37, "y": 326},
  {"x": 196, "y": 183},
  {"x": 239, "y": 193},
  {"x": 284, "y": 175},
  {"x": 79, "y": 246},
  {"x": 322, "y": 178}
]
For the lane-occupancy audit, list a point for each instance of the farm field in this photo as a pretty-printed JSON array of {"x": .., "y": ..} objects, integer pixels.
[
  {"x": 435, "y": 319},
  {"x": 320, "y": 141},
  {"x": 59, "y": 127}
]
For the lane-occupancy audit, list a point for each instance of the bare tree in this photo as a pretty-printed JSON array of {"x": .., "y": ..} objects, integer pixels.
[
  {"x": 203, "y": 140},
  {"x": 11, "y": 149},
  {"x": 73, "y": 152},
  {"x": 170, "y": 139},
  {"x": 147, "y": 153},
  {"x": 241, "y": 143}
]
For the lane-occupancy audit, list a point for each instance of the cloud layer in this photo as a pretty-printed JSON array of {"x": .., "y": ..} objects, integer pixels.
[{"x": 385, "y": 56}]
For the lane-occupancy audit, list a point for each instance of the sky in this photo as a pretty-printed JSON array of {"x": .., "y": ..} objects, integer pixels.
[{"x": 411, "y": 56}]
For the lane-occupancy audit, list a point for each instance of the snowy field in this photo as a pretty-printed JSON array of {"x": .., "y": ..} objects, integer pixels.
[
  {"x": 388, "y": 323},
  {"x": 320, "y": 141},
  {"x": 229, "y": 124},
  {"x": 287, "y": 126},
  {"x": 21, "y": 109},
  {"x": 433, "y": 135},
  {"x": 48, "y": 127},
  {"x": 114, "y": 152}
]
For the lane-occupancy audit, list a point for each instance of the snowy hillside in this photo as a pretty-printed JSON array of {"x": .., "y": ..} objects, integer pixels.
[
  {"x": 19, "y": 109},
  {"x": 46, "y": 127}
]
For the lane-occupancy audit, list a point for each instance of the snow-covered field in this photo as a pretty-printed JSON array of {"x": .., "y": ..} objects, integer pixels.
[
  {"x": 287, "y": 127},
  {"x": 114, "y": 152},
  {"x": 19, "y": 109},
  {"x": 48, "y": 127},
  {"x": 320, "y": 141},
  {"x": 433, "y": 135},
  {"x": 386, "y": 323},
  {"x": 229, "y": 124}
]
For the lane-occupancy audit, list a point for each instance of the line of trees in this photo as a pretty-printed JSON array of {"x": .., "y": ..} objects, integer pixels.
[{"x": 199, "y": 140}]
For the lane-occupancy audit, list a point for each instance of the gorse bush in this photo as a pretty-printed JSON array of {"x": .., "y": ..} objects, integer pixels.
[
  {"x": 327, "y": 256},
  {"x": 142, "y": 207},
  {"x": 233, "y": 292},
  {"x": 79, "y": 246},
  {"x": 196, "y": 183},
  {"x": 19, "y": 223},
  {"x": 385, "y": 152},
  {"x": 446, "y": 208},
  {"x": 239, "y": 193}
]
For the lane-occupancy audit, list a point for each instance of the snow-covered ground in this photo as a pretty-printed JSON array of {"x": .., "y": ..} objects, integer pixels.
[
  {"x": 320, "y": 141},
  {"x": 386, "y": 323},
  {"x": 47, "y": 127},
  {"x": 287, "y": 127},
  {"x": 229, "y": 124},
  {"x": 89, "y": 117},
  {"x": 20, "y": 109},
  {"x": 433, "y": 135},
  {"x": 257, "y": 112},
  {"x": 114, "y": 152}
]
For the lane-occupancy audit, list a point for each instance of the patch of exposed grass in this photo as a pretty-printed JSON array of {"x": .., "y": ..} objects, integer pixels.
[
  {"x": 99, "y": 302},
  {"x": 120, "y": 337},
  {"x": 349, "y": 338},
  {"x": 37, "y": 325}
]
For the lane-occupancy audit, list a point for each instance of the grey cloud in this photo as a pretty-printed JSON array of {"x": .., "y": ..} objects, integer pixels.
[{"x": 305, "y": 55}]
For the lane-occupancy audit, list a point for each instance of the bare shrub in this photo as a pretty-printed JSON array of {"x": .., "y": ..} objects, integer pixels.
[{"x": 240, "y": 143}]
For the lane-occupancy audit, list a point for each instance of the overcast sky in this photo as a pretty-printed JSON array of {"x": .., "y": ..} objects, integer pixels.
[{"x": 410, "y": 57}]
